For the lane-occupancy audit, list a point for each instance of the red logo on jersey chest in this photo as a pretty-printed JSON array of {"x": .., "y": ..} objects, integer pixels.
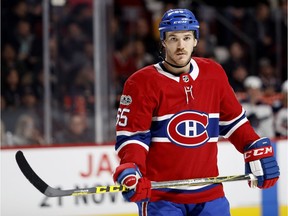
[{"x": 188, "y": 128}]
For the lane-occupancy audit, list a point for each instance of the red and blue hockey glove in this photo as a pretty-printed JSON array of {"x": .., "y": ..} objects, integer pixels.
[
  {"x": 129, "y": 175},
  {"x": 260, "y": 161}
]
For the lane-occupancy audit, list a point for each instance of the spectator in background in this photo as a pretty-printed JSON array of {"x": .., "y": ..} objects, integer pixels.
[
  {"x": 229, "y": 22},
  {"x": 3, "y": 134},
  {"x": 142, "y": 57},
  {"x": 271, "y": 83},
  {"x": 81, "y": 91},
  {"x": 210, "y": 39},
  {"x": 239, "y": 17},
  {"x": 238, "y": 75},
  {"x": 281, "y": 117},
  {"x": 260, "y": 115},
  {"x": 23, "y": 29},
  {"x": 29, "y": 48},
  {"x": 237, "y": 57},
  {"x": 124, "y": 62},
  {"x": 81, "y": 82},
  {"x": 76, "y": 131},
  {"x": 9, "y": 115},
  {"x": 116, "y": 28},
  {"x": 6, "y": 136},
  {"x": 71, "y": 44},
  {"x": 26, "y": 132},
  {"x": 11, "y": 88},
  {"x": 143, "y": 32},
  {"x": 85, "y": 58},
  {"x": 20, "y": 11},
  {"x": 260, "y": 29},
  {"x": 13, "y": 12},
  {"x": 24, "y": 120},
  {"x": 202, "y": 49},
  {"x": 9, "y": 60},
  {"x": 30, "y": 106},
  {"x": 84, "y": 18},
  {"x": 58, "y": 75}
]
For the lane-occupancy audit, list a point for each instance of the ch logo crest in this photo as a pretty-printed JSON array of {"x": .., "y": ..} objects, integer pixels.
[{"x": 188, "y": 128}]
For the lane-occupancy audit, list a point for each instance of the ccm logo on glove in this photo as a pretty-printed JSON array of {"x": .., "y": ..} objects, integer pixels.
[{"x": 258, "y": 153}]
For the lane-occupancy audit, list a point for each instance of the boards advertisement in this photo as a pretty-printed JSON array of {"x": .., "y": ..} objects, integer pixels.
[{"x": 90, "y": 166}]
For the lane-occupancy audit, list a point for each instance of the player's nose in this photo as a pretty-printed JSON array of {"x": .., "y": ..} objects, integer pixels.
[{"x": 180, "y": 44}]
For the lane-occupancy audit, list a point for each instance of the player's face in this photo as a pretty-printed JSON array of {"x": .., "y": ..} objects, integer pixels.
[{"x": 179, "y": 46}]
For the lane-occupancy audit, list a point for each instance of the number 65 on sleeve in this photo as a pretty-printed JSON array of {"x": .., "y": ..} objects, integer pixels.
[{"x": 122, "y": 118}]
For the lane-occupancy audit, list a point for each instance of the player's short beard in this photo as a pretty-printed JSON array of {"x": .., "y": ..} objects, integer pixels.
[
  {"x": 163, "y": 58},
  {"x": 178, "y": 66}
]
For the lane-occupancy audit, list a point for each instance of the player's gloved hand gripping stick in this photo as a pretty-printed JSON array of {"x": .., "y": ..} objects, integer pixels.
[
  {"x": 139, "y": 187},
  {"x": 260, "y": 161}
]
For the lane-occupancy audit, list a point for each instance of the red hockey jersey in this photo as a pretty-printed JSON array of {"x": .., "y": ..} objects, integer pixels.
[{"x": 169, "y": 126}]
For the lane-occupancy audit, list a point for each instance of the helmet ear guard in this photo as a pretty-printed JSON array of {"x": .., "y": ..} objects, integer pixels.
[{"x": 178, "y": 20}]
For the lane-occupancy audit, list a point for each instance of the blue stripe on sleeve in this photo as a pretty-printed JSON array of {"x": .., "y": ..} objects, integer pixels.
[
  {"x": 224, "y": 129},
  {"x": 141, "y": 137}
]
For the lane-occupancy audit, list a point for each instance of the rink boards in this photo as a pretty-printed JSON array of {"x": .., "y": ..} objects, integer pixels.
[{"x": 89, "y": 166}]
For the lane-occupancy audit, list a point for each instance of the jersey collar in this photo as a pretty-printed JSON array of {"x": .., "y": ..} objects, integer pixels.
[{"x": 193, "y": 73}]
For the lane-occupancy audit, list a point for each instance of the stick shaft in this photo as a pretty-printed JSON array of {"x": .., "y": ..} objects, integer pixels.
[
  {"x": 44, "y": 188},
  {"x": 162, "y": 184},
  {"x": 199, "y": 181}
]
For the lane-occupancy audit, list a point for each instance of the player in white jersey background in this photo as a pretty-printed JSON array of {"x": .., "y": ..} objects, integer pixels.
[
  {"x": 281, "y": 118},
  {"x": 168, "y": 123},
  {"x": 259, "y": 114}
]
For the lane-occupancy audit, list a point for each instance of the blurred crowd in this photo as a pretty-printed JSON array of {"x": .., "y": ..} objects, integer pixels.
[{"x": 249, "y": 42}]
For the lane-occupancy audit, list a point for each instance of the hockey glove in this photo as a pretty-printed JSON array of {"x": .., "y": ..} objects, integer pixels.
[
  {"x": 260, "y": 161},
  {"x": 129, "y": 175}
]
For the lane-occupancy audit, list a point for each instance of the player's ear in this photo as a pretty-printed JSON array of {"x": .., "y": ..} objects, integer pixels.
[
  {"x": 163, "y": 43},
  {"x": 195, "y": 42}
]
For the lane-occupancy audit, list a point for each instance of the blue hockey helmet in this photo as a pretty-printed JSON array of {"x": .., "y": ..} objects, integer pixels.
[{"x": 178, "y": 20}]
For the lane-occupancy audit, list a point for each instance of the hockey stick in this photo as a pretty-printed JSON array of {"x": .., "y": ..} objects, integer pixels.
[{"x": 53, "y": 192}]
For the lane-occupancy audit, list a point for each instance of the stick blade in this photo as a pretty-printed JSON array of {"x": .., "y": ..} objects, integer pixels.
[{"x": 29, "y": 173}]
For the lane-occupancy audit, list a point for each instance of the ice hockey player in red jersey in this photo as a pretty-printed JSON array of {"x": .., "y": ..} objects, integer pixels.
[{"x": 168, "y": 123}]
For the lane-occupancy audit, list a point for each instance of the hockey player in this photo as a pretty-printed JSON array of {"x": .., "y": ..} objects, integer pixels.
[
  {"x": 260, "y": 115},
  {"x": 168, "y": 123}
]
